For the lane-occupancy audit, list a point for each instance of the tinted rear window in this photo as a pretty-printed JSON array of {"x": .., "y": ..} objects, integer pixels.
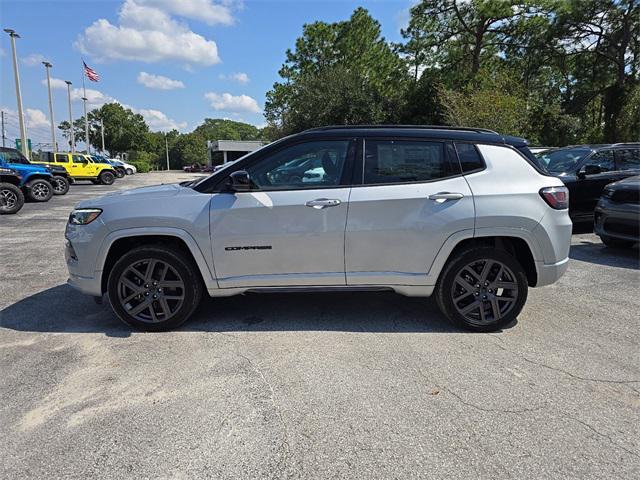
[{"x": 470, "y": 159}]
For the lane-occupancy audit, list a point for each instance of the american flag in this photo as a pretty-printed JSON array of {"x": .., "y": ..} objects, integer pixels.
[{"x": 90, "y": 73}]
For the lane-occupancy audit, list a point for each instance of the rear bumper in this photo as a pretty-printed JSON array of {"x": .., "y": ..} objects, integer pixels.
[{"x": 550, "y": 273}]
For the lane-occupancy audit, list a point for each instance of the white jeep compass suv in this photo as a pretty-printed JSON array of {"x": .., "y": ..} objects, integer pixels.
[{"x": 464, "y": 214}]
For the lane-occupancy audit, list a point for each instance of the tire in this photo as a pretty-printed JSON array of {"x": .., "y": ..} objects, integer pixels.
[
  {"x": 129, "y": 171},
  {"x": 39, "y": 190},
  {"x": 616, "y": 242},
  {"x": 11, "y": 199},
  {"x": 124, "y": 300},
  {"x": 119, "y": 173},
  {"x": 106, "y": 178},
  {"x": 481, "y": 300},
  {"x": 60, "y": 185}
]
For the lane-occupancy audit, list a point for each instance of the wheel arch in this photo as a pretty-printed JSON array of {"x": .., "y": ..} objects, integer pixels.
[
  {"x": 120, "y": 242},
  {"x": 517, "y": 242}
]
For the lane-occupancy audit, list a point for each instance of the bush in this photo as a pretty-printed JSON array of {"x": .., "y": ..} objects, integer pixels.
[{"x": 142, "y": 160}]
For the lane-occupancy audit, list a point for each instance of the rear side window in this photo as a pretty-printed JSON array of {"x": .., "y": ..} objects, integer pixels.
[
  {"x": 403, "y": 161},
  {"x": 628, "y": 159},
  {"x": 63, "y": 158},
  {"x": 470, "y": 159}
]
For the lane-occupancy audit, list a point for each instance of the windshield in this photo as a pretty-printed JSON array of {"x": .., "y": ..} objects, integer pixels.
[{"x": 564, "y": 160}]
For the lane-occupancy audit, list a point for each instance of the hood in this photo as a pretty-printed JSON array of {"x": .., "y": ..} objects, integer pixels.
[
  {"x": 142, "y": 194},
  {"x": 28, "y": 168},
  {"x": 627, "y": 183}
]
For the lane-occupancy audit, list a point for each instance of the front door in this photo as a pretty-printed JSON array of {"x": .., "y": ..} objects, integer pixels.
[
  {"x": 589, "y": 186},
  {"x": 410, "y": 202},
  {"x": 289, "y": 229}
]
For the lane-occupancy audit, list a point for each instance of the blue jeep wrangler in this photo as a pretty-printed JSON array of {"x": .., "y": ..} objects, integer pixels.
[{"x": 36, "y": 181}]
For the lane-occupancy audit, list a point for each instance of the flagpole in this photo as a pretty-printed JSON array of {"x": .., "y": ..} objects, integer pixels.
[{"x": 86, "y": 118}]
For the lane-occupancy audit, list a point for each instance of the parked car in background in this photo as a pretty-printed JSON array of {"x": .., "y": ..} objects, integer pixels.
[
  {"x": 128, "y": 168},
  {"x": 198, "y": 168},
  {"x": 60, "y": 180},
  {"x": 617, "y": 214},
  {"x": 11, "y": 197},
  {"x": 81, "y": 167},
  {"x": 463, "y": 214},
  {"x": 587, "y": 169},
  {"x": 120, "y": 170},
  {"x": 35, "y": 180},
  {"x": 538, "y": 150}
]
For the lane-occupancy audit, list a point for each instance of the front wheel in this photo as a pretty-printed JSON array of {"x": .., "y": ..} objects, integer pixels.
[
  {"x": 154, "y": 288},
  {"x": 129, "y": 171},
  {"x": 39, "y": 190},
  {"x": 11, "y": 199},
  {"x": 482, "y": 289},
  {"x": 107, "y": 178},
  {"x": 60, "y": 185}
]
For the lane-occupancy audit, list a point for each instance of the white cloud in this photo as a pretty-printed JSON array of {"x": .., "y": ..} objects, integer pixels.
[
  {"x": 232, "y": 103},
  {"x": 239, "y": 77},
  {"x": 35, "y": 118},
  {"x": 33, "y": 60},
  {"x": 146, "y": 34},
  {"x": 95, "y": 98},
  {"x": 158, "y": 82},
  {"x": 203, "y": 10},
  {"x": 158, "y": 121}
]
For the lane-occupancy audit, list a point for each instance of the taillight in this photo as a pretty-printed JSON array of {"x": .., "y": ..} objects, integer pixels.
[{"x": 556, "y": 197}]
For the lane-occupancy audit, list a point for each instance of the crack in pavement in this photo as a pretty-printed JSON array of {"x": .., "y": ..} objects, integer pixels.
[
  {"x": 560, "y": 370},
  {"x": 603, "y": 435}
]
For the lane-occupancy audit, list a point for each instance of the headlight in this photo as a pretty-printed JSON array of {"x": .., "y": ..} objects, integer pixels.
[{"x": 84, "y": 216}]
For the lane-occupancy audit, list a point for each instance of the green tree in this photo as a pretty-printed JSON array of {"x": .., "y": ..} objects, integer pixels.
[{"x": 339, "y": 73}]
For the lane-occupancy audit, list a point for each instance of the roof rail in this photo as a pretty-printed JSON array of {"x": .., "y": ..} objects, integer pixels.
[
  {"x": 425, "y": 127},
  {"x": 624, "y": 143}
]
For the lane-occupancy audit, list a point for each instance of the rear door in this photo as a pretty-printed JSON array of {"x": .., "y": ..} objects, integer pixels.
[
  {"x": 628, "y": 161},
  {"x": 289, "y": 229},
  {"x": 63, "y": 160},
  {"x": 412, "y": 197}
]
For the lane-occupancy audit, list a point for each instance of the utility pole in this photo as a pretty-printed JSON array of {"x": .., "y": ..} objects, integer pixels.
[
  {"x": 47, "y": 66},
  {"x": 166, "y": 148},
  {"x": 102, "y": 133},
  {"x": 23, "y": 130},
  {"x": 3, "y": 136},
  {"x": 86, "y": 126},
  {"x": 71, "y": 135}
]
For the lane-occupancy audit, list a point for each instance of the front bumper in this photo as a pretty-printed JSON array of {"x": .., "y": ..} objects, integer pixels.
[
  {"x": 87, "y": 285},
  {"x": 617, "y": 220}
]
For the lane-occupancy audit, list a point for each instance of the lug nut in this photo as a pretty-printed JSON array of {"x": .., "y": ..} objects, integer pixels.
[
  {"x": 477, "y": 294},
  {"x": 155, "y": 296},
  {"x": 146, "y": 285},
  {"x": 155, "y": 283},
  {"x": 146, "y": 294}
]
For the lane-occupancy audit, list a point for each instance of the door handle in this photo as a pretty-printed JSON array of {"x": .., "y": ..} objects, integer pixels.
[
  {"x": 321, "y": 203},
  {"x": 442, "y": 197}
]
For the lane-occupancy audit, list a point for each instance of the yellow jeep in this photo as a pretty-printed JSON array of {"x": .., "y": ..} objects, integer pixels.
[{"x": 80, "y": 166}]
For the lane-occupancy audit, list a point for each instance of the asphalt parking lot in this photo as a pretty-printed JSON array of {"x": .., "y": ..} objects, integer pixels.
[{"x": 363, "y": 385}]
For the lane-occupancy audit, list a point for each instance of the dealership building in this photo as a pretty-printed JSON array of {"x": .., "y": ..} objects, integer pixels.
[{"x": 223, "y": 151}]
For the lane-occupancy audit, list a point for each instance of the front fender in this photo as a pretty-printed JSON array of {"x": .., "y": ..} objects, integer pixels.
[{"x": 205, "y": 269}]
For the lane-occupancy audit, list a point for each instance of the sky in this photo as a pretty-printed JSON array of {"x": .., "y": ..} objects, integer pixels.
[{"x": 175, "y": 62}]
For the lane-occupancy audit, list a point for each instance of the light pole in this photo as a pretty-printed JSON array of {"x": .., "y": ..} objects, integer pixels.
[
  {"x": 102, "y": 133},
  {"x": 166, "y": 148},
  {"x": 86, "y": 125},
  {"x": 71, "y": 135},
  {"x": 47, "y": 66},
  {"x": 23, "y": 130}
]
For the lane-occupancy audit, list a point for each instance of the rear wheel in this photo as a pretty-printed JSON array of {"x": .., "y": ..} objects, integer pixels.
[
  {"x": 482, "y": 289},
  {"x": 119, "y": 173},
  {"x": 39, "y": 190},
  {"x": 60, "y": 185},
  {"x": 107, "y": 178},
  {"x": 616, "y": 242},
  {"x": 11, "y": 199},
  {"x": 154, "y": 288}
]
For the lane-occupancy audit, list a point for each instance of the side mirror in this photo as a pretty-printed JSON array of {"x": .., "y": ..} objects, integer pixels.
[
  {"x": 589, "y": 170},
  {"x": 239, "y": 181}
]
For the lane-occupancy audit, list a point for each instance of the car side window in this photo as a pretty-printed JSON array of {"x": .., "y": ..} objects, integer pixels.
[
  {"x": 62, "y": 158},
  {"x": 14, "y": 157},
  {"x": 404, "y": 161},
  {"x": 470, "y": 159},
  {"x": 628, "y": 159},
  {"x": 77, "y": 158},
  {"x": 305, "y": 165},
  {"x": 602, "y": 159}
]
